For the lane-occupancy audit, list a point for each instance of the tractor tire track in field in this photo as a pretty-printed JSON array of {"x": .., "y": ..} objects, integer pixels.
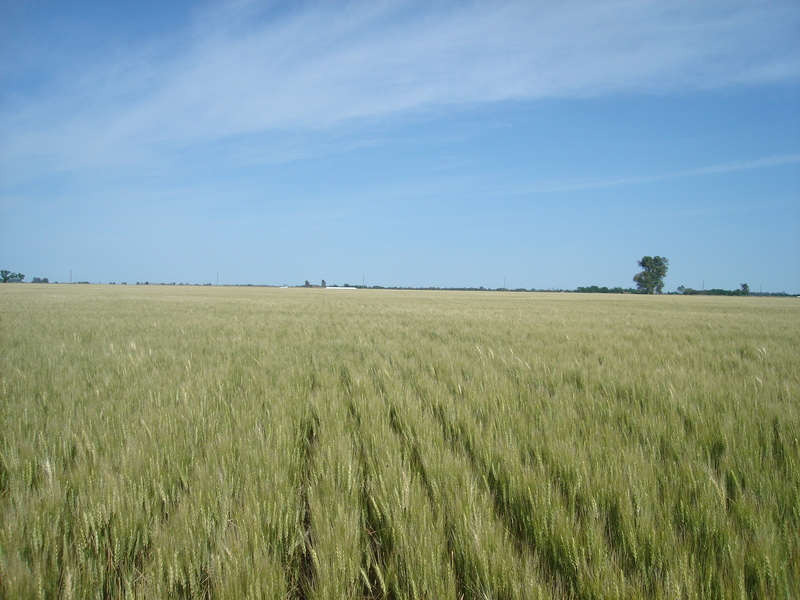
[
  {"x": 554, "y": 558},
  {"x": 632, "y": 552},
  {"x": 301, "y": 559},
  {"x": 378, "y": 536},
  {"x": 411, "y": 449}
]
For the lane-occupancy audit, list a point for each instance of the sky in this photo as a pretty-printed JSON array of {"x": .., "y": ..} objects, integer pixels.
[{"x": 468, "y": 143}]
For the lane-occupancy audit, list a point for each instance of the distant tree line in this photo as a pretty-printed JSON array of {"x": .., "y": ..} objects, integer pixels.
[
  {"x": 7, "y": 276},
  {"x": 711, "y": 292},
  {"x": 593, "y": 289},
  {"x": 744, "y": 290}
]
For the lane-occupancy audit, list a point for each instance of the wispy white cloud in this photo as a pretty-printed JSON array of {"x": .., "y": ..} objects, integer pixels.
[
  {"x": 250, "y": 68},
  {"x": 571, "y": 186}
]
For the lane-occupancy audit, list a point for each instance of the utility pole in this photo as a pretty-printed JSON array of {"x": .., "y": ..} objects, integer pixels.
[
  {"x": 217, "y": 277},
  {"x": 70, "y": 275}
]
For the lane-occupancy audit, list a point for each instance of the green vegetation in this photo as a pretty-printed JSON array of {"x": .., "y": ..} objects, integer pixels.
[
  {"x": 651, "y": 278},
  {"x": 744, "y": 290},
  {"x": 6, "y": 276},
  {"x": 205, "y": 442}
]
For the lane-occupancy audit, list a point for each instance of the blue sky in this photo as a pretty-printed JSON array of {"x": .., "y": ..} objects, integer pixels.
[{"x": 438, "y": 143}]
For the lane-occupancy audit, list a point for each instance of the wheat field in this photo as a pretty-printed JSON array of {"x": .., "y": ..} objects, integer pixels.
[{"x": 205, "y": 442}]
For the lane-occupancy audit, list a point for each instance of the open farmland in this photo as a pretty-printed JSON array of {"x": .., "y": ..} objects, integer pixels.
[{"x": 289, "y": 443}]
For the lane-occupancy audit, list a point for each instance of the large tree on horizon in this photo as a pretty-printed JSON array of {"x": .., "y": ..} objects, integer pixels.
[{"x": 651, "y": 279}]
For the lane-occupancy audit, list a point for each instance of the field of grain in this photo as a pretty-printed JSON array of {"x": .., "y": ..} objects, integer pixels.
[{"x": 196, "y": 442}]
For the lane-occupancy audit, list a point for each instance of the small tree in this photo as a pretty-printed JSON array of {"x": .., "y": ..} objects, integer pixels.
[
  {"x": 324, "y": 284},
  {"x": 651, "y": 279},
  {"x": 745, "y": 289}
]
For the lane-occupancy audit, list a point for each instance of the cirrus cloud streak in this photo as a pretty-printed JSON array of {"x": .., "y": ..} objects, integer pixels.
[{"x": 245, "y": 70}]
